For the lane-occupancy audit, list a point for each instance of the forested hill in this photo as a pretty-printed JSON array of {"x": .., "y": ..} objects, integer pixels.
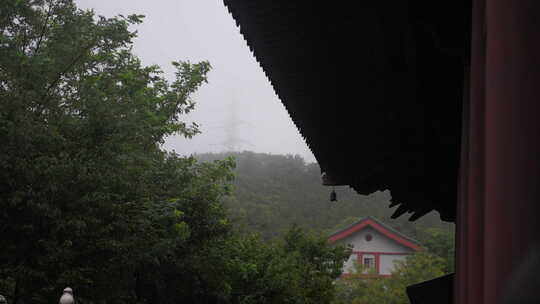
[{"x": 272, "y": 192}]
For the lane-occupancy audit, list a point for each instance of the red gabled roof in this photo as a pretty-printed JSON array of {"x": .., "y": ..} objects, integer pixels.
[{"x": 379, "y": 227}]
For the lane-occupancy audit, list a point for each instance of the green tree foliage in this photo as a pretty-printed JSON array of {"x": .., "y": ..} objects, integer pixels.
[
  {"x": 416, "y": 268},
  {"x": 298, "y": 268},
  {"x": 441, "y": 243},
  {"x": 85, "y": 188},
  {"x": 89, "y": 200}
]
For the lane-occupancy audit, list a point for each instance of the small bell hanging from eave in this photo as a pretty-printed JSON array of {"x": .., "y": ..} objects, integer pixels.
[{"x": 333, "y": 196}]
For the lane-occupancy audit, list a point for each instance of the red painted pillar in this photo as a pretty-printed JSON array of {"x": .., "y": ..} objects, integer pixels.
[
  {"x": 500, "y": 175},
  {"x": 470, "y": 219},
  {"x": 377, "y": 263},
  {"x": 512, "y": 139}
]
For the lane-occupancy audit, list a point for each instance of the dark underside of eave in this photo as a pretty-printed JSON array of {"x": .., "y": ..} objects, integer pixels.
[{"x": 376, "y": 91}]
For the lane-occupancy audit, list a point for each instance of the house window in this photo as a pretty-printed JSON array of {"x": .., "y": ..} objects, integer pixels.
[{"x": 369, "y": 262}]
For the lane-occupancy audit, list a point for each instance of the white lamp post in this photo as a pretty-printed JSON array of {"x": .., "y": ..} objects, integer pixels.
[{"x": 67, "y": 296}]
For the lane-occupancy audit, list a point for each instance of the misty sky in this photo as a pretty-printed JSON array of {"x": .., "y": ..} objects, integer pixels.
[{"x": 238, "y": 108}]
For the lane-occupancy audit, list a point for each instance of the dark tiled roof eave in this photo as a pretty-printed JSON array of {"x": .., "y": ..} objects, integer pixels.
[{"x": 376, "y": 92}]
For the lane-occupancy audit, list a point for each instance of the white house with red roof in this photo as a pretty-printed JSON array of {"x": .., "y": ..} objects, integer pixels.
[{"x": 375, "y": 245}]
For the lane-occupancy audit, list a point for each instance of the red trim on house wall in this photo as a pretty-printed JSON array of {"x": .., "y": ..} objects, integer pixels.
[
  {"x": 378, "y": 228},
  {"x": 377, "y": 255},
  {"x": 378, "y": 263}
]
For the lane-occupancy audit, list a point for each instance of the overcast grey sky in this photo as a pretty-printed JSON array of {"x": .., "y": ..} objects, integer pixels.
[{"x": 238, "y": 108}]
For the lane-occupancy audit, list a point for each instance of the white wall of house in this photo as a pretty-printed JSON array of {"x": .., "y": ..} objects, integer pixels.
[
  {"x": 378, "y": 243},
  {"x": 348, "y": 266},
  {"x": 388, "y": 262}
]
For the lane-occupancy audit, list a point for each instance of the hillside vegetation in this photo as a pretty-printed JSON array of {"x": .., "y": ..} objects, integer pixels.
[{"x": 272, "y": 192}]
